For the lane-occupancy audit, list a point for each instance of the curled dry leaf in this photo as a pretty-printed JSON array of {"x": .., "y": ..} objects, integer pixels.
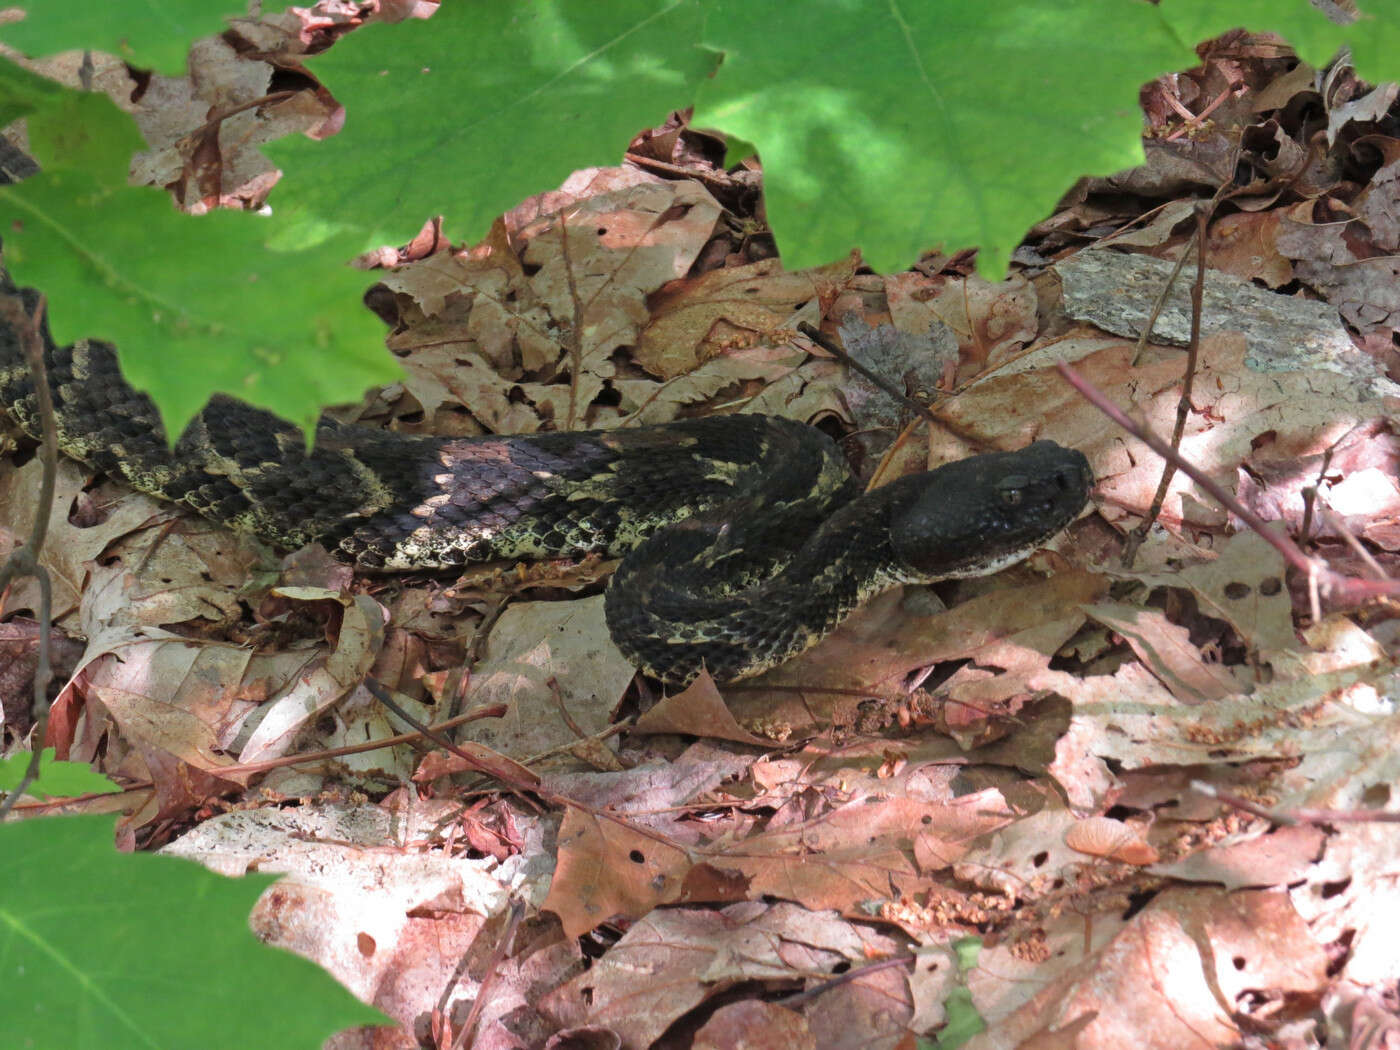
[{"x": 1110, "y": 839}]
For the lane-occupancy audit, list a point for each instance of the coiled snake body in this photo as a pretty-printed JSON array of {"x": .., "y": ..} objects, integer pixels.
[{"x": 745, "y": 538}]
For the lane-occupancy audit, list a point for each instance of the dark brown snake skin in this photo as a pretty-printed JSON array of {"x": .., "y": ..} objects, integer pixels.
[{"x": 745, "y": 538}]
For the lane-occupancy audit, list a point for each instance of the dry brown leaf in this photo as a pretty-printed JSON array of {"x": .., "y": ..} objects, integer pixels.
[
  {"x": 70, "y": 547},
  {"x": 1368, "y": 501},
  {"x": 754, "y": 1025},
  {"x": 1165, "y": 649},
  {"x": 388, "y": 923},
  {"x": 1112, "y": 840},
  {"x": 880, "y": 644},
  {"x": 1335, "y": 260},
  {"x": 324, "y": 681},
  {"x": 1278, "y": 858},
  {"x": 716, "y": 313},
  {"x": 990, "y": 321},
  {"x": 1245, "y": 244},
  {"x": 693, "y": 956},
  {"x": 1234, "y": 403},
  {"x": 1352, "y": 895},
  {"x": 532, "y": 644},
  {"x": 500, "y": 328},
  {"x": 1024, "y": 857},
  {"x": 1174, "y": 976},
  {"x": 1244, "y": 586},
  {"x": 697, "y": 710},
  {"x": 474, "y": 759},
  {"x": 605, "y": 869},
  {"x": 1334, "y": 729},
  {"x": 861, "y": 851}
]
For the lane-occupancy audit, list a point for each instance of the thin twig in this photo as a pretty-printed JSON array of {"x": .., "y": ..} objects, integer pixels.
[
  {"x": 472, "y": 657},
  {"x": 1281, "y": 542},
  {"x": 578, "y": 730},
  {"x": 1161, "y": 301},
  {"x": 808, "y": 994},
  {"x": 248, "y": 768},
  {"x": 25, "y": 560},
  {"x": 836, "y": 350},
  {"x": 1290, "y": 817},
  {"x": 522, "y": 780},
  {"x": 721, "y": 179},
  {"x": 493, "y": 966},
  {"x": 1340, "y": 528},
  {"x": 1204, "y": 211}
]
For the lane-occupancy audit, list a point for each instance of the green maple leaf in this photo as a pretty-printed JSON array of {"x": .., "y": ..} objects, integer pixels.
[{"x": 112, "y": 950}]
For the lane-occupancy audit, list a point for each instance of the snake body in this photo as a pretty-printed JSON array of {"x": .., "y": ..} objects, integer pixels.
[{"x": 744, "y": 538}]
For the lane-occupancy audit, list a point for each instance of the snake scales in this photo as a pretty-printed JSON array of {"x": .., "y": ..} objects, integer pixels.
[{"x": 745, "y": 537}]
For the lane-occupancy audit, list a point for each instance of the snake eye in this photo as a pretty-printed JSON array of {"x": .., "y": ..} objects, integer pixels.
[{"x": 1011, "y": 489}]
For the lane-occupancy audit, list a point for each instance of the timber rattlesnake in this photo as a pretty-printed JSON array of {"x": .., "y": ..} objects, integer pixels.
[{"x": 746, "y": 538}]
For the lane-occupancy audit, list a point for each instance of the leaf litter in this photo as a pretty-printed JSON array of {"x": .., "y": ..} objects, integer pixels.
[{"x": 1041, "y": 760}]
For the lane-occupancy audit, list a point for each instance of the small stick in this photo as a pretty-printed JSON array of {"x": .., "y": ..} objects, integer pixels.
[
  {"x": 832, "y": 347},
  {"x": 24, "y": 561},
  {"x": 569, "y": 720},
  {"x": 1289, "y": 818},
  {"x": 493, "y": 966},
  {"x": 1183, "y": 403}
]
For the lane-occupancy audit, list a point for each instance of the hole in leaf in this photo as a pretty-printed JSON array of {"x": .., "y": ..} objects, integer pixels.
[
  {"x": 1332, "y": 889},
  {"x": 1138, "y": 901}
]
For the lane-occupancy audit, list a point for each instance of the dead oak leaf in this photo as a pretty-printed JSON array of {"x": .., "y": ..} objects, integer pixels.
[
  {"x": 70, "y": 547},
  {"x": 606, "y": 869},
  {"x": 532, "y": 645},
  {"x": 700, "y": 318},
  {"x": 691, "y": 957}
]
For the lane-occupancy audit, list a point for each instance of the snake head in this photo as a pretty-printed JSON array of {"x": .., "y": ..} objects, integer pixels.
[{"x": 979, "y": 515}]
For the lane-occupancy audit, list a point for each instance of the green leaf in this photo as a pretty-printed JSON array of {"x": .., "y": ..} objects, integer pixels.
[
  {"x": 56, "y": 779},
  {"x": 22, "y": 92},
  {"x": 75, "y": 129},
  {"x": 894, "y": 127},
  {"x": 1374, "y": 41},
  {"x": 111, "y": 950},
  {"x": 483, "y": 104},
  {"x": 884, "y": 125},
  {"x": 149, "y": 34},
  {"x": 195, "y": 305},
  {"x": 963, "y": 1020},
  {"x": 967, "y": 949},
  {"x": 1374, "y": 38}
]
